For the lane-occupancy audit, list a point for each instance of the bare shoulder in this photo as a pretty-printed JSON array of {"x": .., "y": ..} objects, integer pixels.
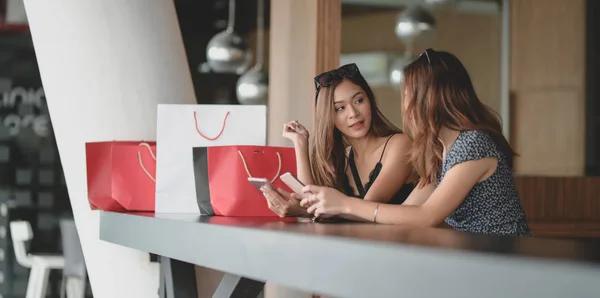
[
  {"x": 397, "y": 154},
  {"x": 397, "y": 149},
  {"x": 399, "y": 143}
]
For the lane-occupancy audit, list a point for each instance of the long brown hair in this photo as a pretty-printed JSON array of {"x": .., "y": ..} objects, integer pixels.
[
  {"x": 328, "y": 152},
  {"x": 439, "y": 93}
]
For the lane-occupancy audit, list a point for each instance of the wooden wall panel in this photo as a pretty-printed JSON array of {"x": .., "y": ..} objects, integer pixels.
[
  {"x": 551, "y": 141},
  {"x": 547, "y": 44},
  {"x": 547, "y": 86},
  {"x": 329, "y": 34},
  {"x": 561, "y": 206}
]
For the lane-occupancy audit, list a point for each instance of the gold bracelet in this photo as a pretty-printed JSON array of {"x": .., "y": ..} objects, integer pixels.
[{"x": 375, "y": 214}]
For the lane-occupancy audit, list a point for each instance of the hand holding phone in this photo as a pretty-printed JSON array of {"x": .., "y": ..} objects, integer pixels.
[
  {"x": 258, "y": 183},
  {"x": 293, "y": 183}
]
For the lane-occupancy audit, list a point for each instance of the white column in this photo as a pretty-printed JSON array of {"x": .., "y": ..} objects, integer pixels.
[
  {"x": 291, "y": 87},
  {"x": 105, "y": 65}
]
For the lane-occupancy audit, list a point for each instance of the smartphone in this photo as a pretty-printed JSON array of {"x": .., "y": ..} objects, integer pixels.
[
  {"x": 293, "y": 183},
  {"x": 259, "y": 182}
]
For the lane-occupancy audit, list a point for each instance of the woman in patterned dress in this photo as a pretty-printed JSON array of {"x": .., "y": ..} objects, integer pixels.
[{"x": 458, "y": 150}]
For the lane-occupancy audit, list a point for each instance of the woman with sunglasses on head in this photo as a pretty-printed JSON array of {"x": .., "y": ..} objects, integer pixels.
[
  {"x": 458, "y": 150},
  {"x": 355, "y": 149}
]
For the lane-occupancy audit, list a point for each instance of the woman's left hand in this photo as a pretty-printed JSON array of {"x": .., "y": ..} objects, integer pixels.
[{"x": 324, "y": 200}]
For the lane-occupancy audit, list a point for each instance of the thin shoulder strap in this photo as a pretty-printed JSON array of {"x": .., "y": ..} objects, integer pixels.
[
  {"x": 384, "y": 146},
  {"x": 355, "y": 175}
]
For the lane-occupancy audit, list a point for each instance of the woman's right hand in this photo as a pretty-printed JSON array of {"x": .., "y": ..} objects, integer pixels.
[
  {"x": 289, "y": 207},
  {"x": 295, "y": 132}
]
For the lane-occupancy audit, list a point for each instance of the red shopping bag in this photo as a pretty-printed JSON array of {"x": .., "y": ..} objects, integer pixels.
[
  {"x": 221, "y": 177},
  {"x": 120, "y": 175}
]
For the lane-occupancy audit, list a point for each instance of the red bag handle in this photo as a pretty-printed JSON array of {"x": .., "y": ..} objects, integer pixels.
[
  {"x": 208, "y": 138},
  {"x": 248, "y": 171},
  {"x": 142, "y": 164}
]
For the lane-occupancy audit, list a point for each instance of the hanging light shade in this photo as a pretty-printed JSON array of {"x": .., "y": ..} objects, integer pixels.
[
  {"x": 227, "y": 52},
  {"x": 252, "y": 87},
  {"x": 414, "y": 25}
]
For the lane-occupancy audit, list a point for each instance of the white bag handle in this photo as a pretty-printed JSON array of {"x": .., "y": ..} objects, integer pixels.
[{"x": 208, "y": 138}]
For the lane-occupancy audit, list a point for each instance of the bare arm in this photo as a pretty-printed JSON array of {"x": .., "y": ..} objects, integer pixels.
[
  {"x": 396, "y": 169},
  {"x": 303, "y": 162},
  {"x": 299, "y": 135},
  {"x": 450, "y": 193},
  {"x": 419, "y": 195},
  {"x": 394, "y": 173}
]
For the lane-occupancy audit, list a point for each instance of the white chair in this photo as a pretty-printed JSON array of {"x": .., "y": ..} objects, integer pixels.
[{"x": 40, "y": 264}]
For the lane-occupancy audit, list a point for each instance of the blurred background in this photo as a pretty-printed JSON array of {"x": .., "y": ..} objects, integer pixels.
[{"x": 544, "y": 83}]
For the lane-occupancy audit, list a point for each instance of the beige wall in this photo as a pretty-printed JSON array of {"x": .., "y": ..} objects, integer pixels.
[
  {"x": 475, "y": 39},
  {"x": 548, "y": 86},
  {"x": 547, "y": 73}
]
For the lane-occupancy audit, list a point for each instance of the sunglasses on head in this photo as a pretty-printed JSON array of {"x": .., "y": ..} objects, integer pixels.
[
  {"x": 327, "y": 78},
  {"x": 429, "y": 53}
]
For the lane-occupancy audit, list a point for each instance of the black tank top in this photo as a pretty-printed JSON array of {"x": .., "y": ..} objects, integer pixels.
[{"x": 397, "y": 199}]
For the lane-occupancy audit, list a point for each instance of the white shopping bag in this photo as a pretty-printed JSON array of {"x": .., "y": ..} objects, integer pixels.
[{"x": 181, "y": 127}]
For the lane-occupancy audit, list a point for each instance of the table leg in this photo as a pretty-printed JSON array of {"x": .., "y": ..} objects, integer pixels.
[
  {"x": 178, "y": 278},
  {"x": 233, "y": 286},
  {"x": 162, "y": 291}
]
